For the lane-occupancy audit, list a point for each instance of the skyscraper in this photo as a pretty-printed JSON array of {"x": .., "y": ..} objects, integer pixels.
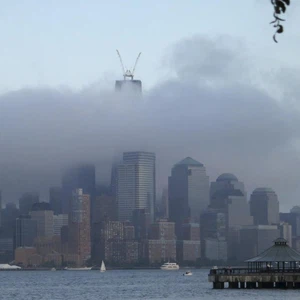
[
  {"x": 56, "y": 199},
  {"x": 43, "y": 215},
  {"x": 264, "y": 206},
  {"x": 188, "y": 192},
  {"x": 25, "y": 231},
  {"x": 79, "y": 226},
  {"x": 136, "y": 187},
  {"x": 26, "y": 202},
  {"x": 226, "y": 181},
  {"x": 81, "y": 176}
]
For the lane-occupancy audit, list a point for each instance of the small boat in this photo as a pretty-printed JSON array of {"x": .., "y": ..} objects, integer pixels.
[
  {"x": 102, "y": 269},
  {"x": 53, "y": 269},
  {"x": 78, "y": 269},
  {"x": 169, "y": 266},
  {"x": 188, "y": 273}
]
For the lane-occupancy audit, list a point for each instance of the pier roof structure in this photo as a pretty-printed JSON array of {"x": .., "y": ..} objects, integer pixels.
[{"x": 279, "y": 252}]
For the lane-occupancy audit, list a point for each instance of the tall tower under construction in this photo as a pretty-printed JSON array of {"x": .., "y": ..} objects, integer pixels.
[{"x": 128, "y": 84}]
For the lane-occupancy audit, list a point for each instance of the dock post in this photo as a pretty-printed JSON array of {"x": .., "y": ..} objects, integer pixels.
[
  {"x": 297, "y": 285},
  {"x": 242, "y": 285}
]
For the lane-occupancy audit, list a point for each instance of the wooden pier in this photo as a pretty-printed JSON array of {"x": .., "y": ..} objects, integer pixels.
[
  {"x": 241, "y": 278},
  {"x": 276, "y": 267}
]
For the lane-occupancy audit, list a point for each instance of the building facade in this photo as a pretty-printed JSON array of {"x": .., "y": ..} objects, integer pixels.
[
  {"x": 188, "y": 192},
  {"x": 264, "y": 207},
  {"x": 136, "y": 186},
  {"x": 79, "y": 233}
]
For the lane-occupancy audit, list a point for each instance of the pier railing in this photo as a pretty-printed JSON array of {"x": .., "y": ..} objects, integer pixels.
[{"x": 240, "y": 271}]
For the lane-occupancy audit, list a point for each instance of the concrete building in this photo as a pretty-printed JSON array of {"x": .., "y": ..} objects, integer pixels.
[
  {"x": 286, "y": 232},
  {"x": 188, "y": 192},
  {"x": 159, "y": 251},
  {"x": 58, "y": 222},
  {"x": 25, "y": 231},
  {"x": 255, "y": 239},
  {"x": 141, "y": 221},
  {"x": 136, "y": 188},
  {"x": 114, "y": 242},
  {"x": 188, "y": 251},
  {"x": 56, "y": 199},
  {"x": 79, "y": 231},
  {"x": 216, "y": 249},
  {"x": 162, "y": 229},
  {"x": 264, "y": 207},
  {"x": 191, "y": 231},
  {"x": 26, "y": 202},
  {"x": 43, "y": 215},
  {"x": 105, "y": 208}
]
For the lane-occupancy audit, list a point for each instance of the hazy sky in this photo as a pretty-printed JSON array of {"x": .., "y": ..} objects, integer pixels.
[
  {"x": 73, "y": 42},
  {"x": 217, "y": 88}
]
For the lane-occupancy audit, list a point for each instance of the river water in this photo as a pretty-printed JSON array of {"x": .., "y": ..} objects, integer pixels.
[{"x": 125, "y": 284}]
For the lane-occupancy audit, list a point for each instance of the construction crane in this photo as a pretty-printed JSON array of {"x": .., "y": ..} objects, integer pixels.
[{"x": 128, "y": 73}]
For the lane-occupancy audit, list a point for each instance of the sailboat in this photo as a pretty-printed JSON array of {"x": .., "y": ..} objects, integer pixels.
[{"x": 102, "y": 269}]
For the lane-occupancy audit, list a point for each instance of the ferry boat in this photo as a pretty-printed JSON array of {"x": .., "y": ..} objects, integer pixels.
[{"x": 169, "y": 266}]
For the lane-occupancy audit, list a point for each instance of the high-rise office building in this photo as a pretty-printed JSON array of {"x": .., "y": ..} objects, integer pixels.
[
  {"x": 25, "y": 231},
  {"x": 80, "y": 176},
  {"x": 58, "y": 222},
  {"x": 226, "y": 181},
  {"x": 126, "y": 191},
  {"x": 105, "y": 208},
  {"x": 264, "y": 207},
  {"x": 43, "y": 215},
  {"x": 79, "y": 238},
  {"x": 136, "y": 187},
  {"x": 56, "y": 199},
  {"x": 26, "y": 202},
  {"x": 188, "y": 192}
]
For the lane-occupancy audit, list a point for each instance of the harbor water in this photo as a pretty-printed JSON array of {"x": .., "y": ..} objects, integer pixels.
[{"x": 122, "y": 284}]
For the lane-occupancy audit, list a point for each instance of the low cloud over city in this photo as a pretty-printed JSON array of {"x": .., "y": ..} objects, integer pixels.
[{"x": 217, "y": 105}]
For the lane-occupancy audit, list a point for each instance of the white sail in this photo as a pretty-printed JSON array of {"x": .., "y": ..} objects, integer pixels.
[{"x": 102, "y": 269}]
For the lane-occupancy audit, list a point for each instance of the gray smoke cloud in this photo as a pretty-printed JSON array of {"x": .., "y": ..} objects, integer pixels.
[{"x": 214, "y": 106}]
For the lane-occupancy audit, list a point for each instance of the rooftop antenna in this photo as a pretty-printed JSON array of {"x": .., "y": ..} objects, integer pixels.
[{"x": 128, "y": 73}]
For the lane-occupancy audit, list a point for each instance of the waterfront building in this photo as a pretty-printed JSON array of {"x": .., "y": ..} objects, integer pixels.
[
  {"x": 216, "y": 249},
  {"x": 25, "y": 231},
  {"x": 79, "y": 234},
  {"x": 255, "y": 239},
  {"x": 188, "y": 192}
]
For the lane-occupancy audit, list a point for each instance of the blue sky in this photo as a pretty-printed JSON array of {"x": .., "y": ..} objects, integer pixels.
[{"x": 72, "y": 42}]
